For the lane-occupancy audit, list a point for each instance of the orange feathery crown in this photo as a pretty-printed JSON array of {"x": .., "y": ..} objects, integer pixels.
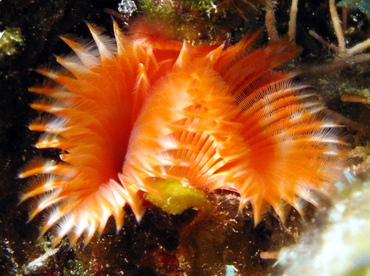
[{"x": 133, "y": 110}]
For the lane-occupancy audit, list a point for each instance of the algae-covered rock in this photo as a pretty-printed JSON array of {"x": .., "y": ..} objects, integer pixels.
[{"x": 342, "y": 247}]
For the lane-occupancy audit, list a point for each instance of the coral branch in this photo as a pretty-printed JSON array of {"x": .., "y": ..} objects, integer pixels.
[
  {"x": 270, "y": 21},
  {"x": 293, "y": 20},
  {"x": 324, "y": 42},
  {"x": 340, "y": 64},
  {"x": 348, "y": 98},
  {"x": 344, "y": 57},
  {"x": 337, "y": 28},
  {"x": 344, "y": 18},
  {"x": 362, "y": 46}
]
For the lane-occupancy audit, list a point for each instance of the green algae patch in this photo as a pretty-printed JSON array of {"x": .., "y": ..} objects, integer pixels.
[
  {"x": 10, "y": 39},
  {"x": 174, "y": 198},
  {"x": 199, "y": 22}
]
